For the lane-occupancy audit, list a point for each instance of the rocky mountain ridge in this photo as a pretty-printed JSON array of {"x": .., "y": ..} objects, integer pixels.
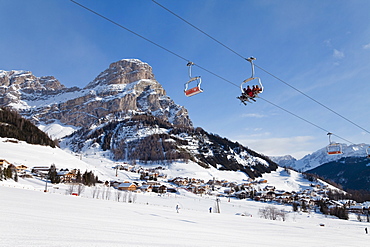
[
  {"x": 126, "y": 87},
  {"x": 125, "y": 113}
]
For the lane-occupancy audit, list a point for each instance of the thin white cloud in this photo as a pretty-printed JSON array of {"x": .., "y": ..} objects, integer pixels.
[
  {"x": 297, "y": 146},
  {"x": 366, "y": 47},
  {"x": 338, "y": 54},
  {"x": 253, "y": 115},
  {"x": 327, "y": 42}
]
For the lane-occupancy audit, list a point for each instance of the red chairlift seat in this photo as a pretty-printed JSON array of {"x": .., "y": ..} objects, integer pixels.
[
  {"x": 333, "y": 147},
  {"x": 194, "y": 90}
]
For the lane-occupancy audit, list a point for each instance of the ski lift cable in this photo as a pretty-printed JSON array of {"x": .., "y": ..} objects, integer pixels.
[
  {"x": 150, "y": 41},
  {"x": 328, "y": 108},
  {"x": 307, "y": 121},
  {"x": 181, "y": 57},
  {"x": 119, "y": 25},
  {"x": 238, "y": 54},
  {"x": 209, "y": 36}
]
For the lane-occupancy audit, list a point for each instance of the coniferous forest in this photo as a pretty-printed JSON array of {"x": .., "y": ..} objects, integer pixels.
[{"x": 12, "y": 125}]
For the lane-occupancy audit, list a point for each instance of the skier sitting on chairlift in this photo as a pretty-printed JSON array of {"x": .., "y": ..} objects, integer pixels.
[
  {"x": 249, "y": 93},
  {"x": 256, "y": 90}
]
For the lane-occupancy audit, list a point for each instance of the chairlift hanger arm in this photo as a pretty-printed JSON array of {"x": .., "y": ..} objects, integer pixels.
[
  {"x": 190, "y": 64},
  {"x": 251, "y": 59}
]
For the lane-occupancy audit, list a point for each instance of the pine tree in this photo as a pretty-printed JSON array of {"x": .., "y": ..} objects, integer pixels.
[
  {"x": 295, "y": 206},
  {"x": 304, "y": 206},
  {"x": 78, "y": 176},
  {"x": 8, "y": 173},
  {"x": 323, "y": 207},
  {"x": 15, "y": 176},
  {"x": 53, "y": 175},
  {"x": 85, "y": 179}
]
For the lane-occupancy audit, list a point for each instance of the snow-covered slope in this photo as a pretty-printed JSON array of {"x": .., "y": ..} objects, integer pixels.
[
  {"x": 34, "y": 218},
  {"x": 22, "y": 153},
  {"x": 97, "y": 161}
]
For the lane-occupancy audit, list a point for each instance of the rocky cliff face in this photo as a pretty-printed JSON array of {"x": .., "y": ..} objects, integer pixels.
[
  {"x": 18, "y": 86},
  {"x": 125, "y": 88},
  {"x": 123, "y": 72},
  {"x": 125, "y": 114}
]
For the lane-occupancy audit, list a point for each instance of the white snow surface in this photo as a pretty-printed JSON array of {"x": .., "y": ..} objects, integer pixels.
[
  {"x": 57, "y": 130},
  {"x": 34, "y": 218},
  {"x": 31, "y": 217}
]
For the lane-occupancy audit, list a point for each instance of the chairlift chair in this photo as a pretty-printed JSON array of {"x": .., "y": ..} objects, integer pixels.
[
  {"x": 249, "y": 82},
  {"x": 194, "y": 90},
  {"x": 333, "y": 147},
  {"x": 368, "y": 152}
]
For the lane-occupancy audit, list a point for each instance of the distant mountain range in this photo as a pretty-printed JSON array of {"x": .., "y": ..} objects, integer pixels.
[
  {"x": 350, "y": 169},
  {"x": 320, "y": 157},
  {"x": 126, "y": 113},
  {"x": 350, "y": 172}
]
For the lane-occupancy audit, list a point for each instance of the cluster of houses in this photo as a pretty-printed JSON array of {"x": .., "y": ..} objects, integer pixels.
[
  {"x": 20, "y": 169},
  {"x": 145, "y": 173},
  {"x": 66, "y": 175},
  {"x": 155, "y": 180},
  {"x": 257, "y": 189}
]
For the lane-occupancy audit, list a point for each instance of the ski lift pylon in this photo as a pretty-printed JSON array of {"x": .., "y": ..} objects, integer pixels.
[
  {"x": 246, "y": 96},
  {"x": 194, "y": 90},
  {"x": 333, "y": 147}
]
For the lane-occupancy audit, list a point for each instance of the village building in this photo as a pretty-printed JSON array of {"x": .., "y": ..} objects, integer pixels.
[
  {"x": 241, "y": 194},
  {"x": 67, "y": 176},
  {"x": 21, "y": 168},
  {"x": 127, "y": 186},
  {"x": 146, "y": 187},
  {"x": 40, "y": 171},
  {"x": 159, "y": 189},
  {"x": 4, "y": 163}
]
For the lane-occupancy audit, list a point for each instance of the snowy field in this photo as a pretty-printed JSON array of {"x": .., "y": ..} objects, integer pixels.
[
  {"x": 31, "y": 217},
  {"x": 34, "y": 218}
]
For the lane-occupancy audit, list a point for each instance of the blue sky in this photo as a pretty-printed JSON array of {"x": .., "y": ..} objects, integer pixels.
[{"x": 320, "y": 47}]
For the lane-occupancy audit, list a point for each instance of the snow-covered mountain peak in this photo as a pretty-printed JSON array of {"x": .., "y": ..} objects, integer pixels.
[
  {"x": 320, "y": 157},
  {"x": 124, "y": 71},
  {"x": 26, "y": 81},
  {"x": 127, "y": 114},
  {"x": 126, "y": 86}
]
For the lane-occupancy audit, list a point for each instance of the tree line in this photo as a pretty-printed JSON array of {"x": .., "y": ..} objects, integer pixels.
[
  {"x": 8, "y": 173},
  {"x": 355, "y": 195},
  {"x": 12, "y": 125},
  {"x": 167, "y": 147},
  {"x": 87, "y": 178}
]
